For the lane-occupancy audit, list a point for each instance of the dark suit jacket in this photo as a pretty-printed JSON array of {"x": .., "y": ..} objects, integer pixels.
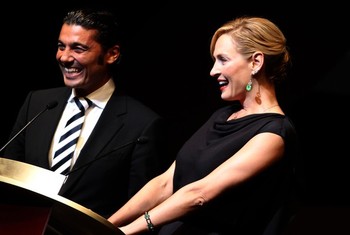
[{"x": 105, "y": 184}]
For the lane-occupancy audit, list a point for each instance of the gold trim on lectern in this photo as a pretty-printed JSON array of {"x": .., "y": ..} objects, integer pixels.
[
  {"x": 35, "y": 178},
  {"x": 43, "y": 185}
]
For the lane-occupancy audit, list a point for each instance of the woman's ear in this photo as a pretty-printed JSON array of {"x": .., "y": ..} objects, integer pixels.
[{"x": 257, "y": 61}]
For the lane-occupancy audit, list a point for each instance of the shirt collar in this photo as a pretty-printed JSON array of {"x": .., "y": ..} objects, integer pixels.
[{"x": 100, "y": 96}]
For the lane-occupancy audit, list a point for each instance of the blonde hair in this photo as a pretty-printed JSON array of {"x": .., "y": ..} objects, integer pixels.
[{"x": 253, "y": 34}]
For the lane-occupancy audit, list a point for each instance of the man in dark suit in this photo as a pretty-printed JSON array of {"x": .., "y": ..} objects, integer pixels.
[{"x": 121, "y": 144}]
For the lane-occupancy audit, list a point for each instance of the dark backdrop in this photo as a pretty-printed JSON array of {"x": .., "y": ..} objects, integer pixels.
[{"x": 166, "y": 65}]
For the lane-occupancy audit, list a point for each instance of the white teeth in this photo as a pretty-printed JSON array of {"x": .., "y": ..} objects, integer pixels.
[
  {"x": 71, "y": 70},
  {"x": 223, "y": 82}
]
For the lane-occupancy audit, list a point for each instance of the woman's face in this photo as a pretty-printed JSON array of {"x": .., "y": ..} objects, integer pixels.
[{"x": 231, "y": 69}]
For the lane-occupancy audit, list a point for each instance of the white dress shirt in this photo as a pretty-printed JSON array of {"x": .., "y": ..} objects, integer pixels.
[{"x": 99, "y": 100}]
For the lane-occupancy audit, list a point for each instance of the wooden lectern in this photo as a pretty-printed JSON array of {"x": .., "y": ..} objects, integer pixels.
[{"x": 30, "y": 204}]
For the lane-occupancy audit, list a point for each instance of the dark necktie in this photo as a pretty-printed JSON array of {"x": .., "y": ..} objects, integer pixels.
[{"x": 66, "y": 146}]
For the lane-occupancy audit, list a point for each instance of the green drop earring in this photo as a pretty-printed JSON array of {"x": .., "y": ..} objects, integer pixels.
[{"x": 248, "y": 87}]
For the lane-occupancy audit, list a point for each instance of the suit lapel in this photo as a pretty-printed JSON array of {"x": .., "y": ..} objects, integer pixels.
[
  {"x": 47, "y": 126},
  {"x": 106, "y": 128}
]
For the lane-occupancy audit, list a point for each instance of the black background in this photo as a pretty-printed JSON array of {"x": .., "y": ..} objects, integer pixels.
[{"x": 166, "y": 64}]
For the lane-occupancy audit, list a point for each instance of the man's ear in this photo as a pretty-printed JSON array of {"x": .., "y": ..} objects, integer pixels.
[{"x": 113, "y": 54}]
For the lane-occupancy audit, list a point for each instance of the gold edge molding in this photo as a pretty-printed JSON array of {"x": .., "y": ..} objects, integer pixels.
[{"x": 39, "y": 180}]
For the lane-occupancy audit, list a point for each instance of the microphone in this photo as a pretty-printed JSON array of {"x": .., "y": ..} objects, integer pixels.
[
  {"x": 140, "y": 140},
  {"x": 49, "y": 106}
]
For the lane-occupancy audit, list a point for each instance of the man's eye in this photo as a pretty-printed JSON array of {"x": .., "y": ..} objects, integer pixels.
[
  {"x": 60, "y": 46},
  {"x": 79, "y": 49}
]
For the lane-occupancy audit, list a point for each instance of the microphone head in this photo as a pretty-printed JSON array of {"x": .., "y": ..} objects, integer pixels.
[
  {"x": 52, "y": 104},
  {"x": 142, "y": 139}
]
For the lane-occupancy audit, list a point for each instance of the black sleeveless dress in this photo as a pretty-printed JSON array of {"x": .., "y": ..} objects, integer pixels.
[{"x": 245, "y": 209}]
